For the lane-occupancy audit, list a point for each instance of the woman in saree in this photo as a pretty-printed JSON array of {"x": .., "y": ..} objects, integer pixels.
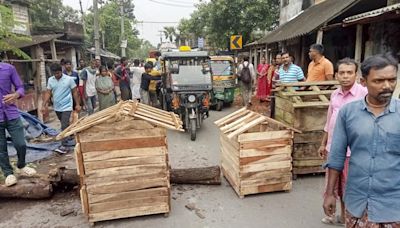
[
  {"x": 263, "y": 81},
  {"x": 105, "y": 89}
]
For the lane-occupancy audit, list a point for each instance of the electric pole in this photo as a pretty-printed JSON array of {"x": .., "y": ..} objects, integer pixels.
[
  {"x": 123, "y": 46},
  {"x": 96, "y": 30}
]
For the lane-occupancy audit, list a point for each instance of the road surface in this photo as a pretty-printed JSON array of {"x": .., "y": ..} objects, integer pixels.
[{"x": 216, "y": 206}]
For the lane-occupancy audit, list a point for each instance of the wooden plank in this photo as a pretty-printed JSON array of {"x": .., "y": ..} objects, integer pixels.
[
  {"x": 237, "y": 121},
  {"x": 231, "y": 142},
  {"x": 156, "y": 122},
  {"x": 265, "y": 159},
  {"x": 308, "y": 170},
  {"x": 266, "y": 188},
  {"x": 305, "y": 150},
  {"x": 301, "y": 84},
  {"x": 308, "y": 163},
  {"x": 264, "y": 174},
  {"x": 310, "y": 119},
  {"x": 308, "y": 137},
  {"x": 307, "y": 93},
  {"x": 128, "y": 186},
  {"x": 114, "y": 154},
  {"x": 79, "y": 160},
  {"x": 120, "y": 135},
  {"x": 134, "y": 170},
  {"x": 128, "y": 161},
  {"x": 266, "y": 151},
  {"x": 125, "y": 177},
  {"x": 296, "y": 99},
  {"x": 311, "y": 104},
  {"x": 241, "y": 124},
  {"x": 230, "y": 154},
  {"x": 266, "y": 166},
  {"x": 230, "y": 179},
  {"x": 84, "y": 200},
  {"x": 265, "y": 136},
  {"x": 321, "y": 95},
  {"x": 128, "y": 203},
  {"x": 123, "y": 144},
  {"x": 231, "y": 116},
  {"x": 247, "y": 126},
  {"x": 284, "y": 104},
  {"x": 131, "y": 212},
  {"x": 266, "y": 144},
  {"x": 267, "y": 181},
  {"x": 270, "y": 120}
]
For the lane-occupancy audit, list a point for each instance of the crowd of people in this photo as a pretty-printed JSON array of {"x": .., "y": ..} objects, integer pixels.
[{"x": 361, "y": 141}]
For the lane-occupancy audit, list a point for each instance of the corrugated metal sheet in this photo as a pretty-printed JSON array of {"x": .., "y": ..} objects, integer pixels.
[
  {"x": 308, "y": 21},
  {"x": 373, "y": 13},
  {"x": 37, "y": 39},
  {"x": 104, "y": 53}
]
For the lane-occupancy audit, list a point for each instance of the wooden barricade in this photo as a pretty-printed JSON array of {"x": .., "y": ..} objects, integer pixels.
[
  {"x": 304, "y": 106},
  {"x": 122, "y": 161},
  {"x": 256, "y": 153}
]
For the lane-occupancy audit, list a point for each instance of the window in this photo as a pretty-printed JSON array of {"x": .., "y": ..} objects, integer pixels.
[
  {"x": 285, "y": 3},
  {"x": 307, "y": 4}
]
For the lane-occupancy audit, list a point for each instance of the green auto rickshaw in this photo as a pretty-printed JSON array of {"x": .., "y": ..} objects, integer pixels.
[{"x": 224, "y": 81}]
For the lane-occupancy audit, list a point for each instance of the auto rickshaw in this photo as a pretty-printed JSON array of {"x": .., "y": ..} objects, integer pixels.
[
  {"x": 224, "y": 81},
  {"x": 187, "y": 86}
]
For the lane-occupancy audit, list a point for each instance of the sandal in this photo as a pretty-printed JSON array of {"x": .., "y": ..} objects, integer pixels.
[
  {"x": 10, "y": 180},
  {"x": 332, "y": 221}
]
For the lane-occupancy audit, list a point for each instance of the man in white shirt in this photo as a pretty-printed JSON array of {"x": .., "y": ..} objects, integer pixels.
[{"x": 136, "y": 78}]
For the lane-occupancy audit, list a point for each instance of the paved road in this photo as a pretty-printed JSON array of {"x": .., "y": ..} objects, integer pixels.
[{"x": 219, "y": 205}]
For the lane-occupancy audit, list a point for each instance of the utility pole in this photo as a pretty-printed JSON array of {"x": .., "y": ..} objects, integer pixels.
[
  {"x": 96, "y": 30},
  {"x": 123, "y": 53},
  {"x": 103, "y": 34}
]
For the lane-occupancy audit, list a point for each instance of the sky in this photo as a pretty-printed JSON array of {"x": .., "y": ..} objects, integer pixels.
[{"x": 151, "y": 11}]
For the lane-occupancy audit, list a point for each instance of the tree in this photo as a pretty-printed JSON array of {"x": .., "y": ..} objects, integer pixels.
[
  {"x": 7, "y": 37},
  {"x": 51, "y": 15},
  {"x": 110, "y": 24},
  {"x": 217, "y": 20},
  {"x": 170, "y": 33}
]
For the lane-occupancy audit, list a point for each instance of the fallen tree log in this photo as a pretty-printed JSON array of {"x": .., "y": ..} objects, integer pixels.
[
  {"x": 204, "y": 175},
  {"x": 42, "y": 187},
  {"x": 28, "y": 188}
]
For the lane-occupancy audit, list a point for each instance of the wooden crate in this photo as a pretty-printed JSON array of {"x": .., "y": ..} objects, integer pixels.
[
  {"x": 123, "y": 163},
  {"x": 255, "y": 153},
  {"x": 306, "y": 110}
]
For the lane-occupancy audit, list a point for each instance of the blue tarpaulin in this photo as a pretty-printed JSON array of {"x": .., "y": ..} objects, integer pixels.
[{"x": 34, "y": 128}]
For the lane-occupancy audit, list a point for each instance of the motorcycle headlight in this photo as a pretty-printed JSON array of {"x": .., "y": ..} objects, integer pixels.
[{"x": 192, "y": 98}]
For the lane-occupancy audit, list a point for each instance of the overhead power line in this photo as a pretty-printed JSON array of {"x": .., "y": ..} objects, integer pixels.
[
  {"x": 172, "y": 4},
  {"x": 157, "y": 22}
]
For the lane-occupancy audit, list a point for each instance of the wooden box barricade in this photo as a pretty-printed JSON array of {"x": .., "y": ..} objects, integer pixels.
[
  {"x": 255, "y": 153},
  {"x": 122, "y": 161},
  {"x": 304, "y": 106}
]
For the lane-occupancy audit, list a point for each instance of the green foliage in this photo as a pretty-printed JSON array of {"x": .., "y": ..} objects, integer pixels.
[
  {"x": 169, "y": 33},
  {"x": 51, "y": 14},
  {"x": 219, "y": 19},
  {"x": 142, "y": 52},
  {"x": 110, "y": 23},
  {"x": 7, "y": 37}
]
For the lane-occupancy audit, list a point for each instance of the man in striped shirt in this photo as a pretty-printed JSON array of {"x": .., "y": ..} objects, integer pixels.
[{"x": 290, "y": 72}]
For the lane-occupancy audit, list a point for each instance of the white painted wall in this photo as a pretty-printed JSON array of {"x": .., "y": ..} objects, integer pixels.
[{"x": 290, "y": 11}]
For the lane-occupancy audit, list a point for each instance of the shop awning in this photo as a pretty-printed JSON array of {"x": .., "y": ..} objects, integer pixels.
[
  {"x": 311, "y": 19},
  {"x": 388, "y": 12}
]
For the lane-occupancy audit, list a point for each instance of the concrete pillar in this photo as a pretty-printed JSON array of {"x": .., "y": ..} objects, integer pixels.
[
  {"x": 358, "y": 48},
  {"x": 40, "y": 81},
  {"x": 71, "y": 55},
  {"x": 256, "y": 58},
  {"x": 320, "y": 36}
]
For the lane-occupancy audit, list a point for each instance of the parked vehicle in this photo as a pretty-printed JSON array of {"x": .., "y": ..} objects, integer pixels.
[
  {"x": 187, "y": 85},
  {"x": 224, "y": 81}
]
